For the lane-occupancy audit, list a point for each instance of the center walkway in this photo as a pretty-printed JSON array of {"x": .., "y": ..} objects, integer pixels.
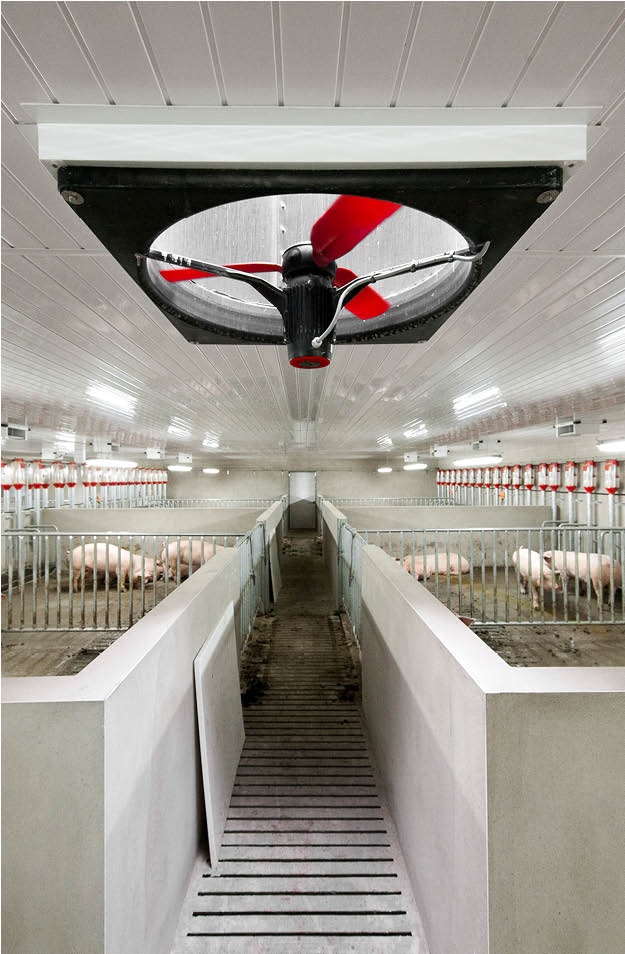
[{"x": 310, "y": 862}]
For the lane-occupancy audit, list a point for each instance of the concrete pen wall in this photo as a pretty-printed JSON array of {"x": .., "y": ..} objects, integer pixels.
[
  {"x": 152, "y": 520},
  {"x": 102, "y": 793},
  {"x": 506, "y": 784},
  {"x": 440, "y": 518}
]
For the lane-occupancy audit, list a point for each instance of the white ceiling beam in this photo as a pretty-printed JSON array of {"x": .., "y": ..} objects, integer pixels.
[{"x": 302, "y": 146}]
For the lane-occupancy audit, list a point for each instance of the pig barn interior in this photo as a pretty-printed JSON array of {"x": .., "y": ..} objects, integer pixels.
[{"x": 313, "y": 450}]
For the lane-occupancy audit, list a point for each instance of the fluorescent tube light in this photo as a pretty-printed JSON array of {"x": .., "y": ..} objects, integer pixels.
[
  {"x": 611, "y": 447},
  {"x": 210, "y": 470},
  {"x": 384, "y": 441},
  {"x": 210, "y": 442},
  {"x": 183, "y": 468},
  {"x": 475, "y": 397},
  {"x": 385, "y": 470},
  {"x": 463, "y": 415},
  {"x": 111, "y": 398},
  {"x": 415, "y": 466},
  {"x": 478, "y": 461},
  {"x": 418, "y": 429},
  {"x": 111, "y": 462},
  {"x": 178, "y": 429}
]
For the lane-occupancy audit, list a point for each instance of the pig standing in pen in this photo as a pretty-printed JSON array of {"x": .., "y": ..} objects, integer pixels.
[
  {"x": 530, "y": 565},
  {"x": 122, "y": 564},
  {"x": 597, "y": 566},
  {"x": 200, "y": 553}
]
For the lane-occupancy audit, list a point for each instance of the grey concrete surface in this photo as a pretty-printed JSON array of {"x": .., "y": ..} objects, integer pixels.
[{"x": 112, "y": 751}]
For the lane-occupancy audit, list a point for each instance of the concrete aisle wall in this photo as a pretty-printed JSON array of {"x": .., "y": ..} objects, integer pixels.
[{"x": 353, "y": 480}]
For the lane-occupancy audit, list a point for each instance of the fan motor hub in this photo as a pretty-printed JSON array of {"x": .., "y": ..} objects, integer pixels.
[
  {"x": 297, "y": 261},
  {"x": 309, "y": 308}
]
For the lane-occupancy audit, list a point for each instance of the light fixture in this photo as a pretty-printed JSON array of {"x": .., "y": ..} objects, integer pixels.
[
  {"x": 475, "y": 397},
  {"x": 210, "y": 442},
  {"x": 418, "y": 466},
  {"x": 385, "y": 470},
  {"x": 183, "y": 468},
  {"x": 611, "y": 447},
  {"x": 478, "y": 461},
  {"x": 110, "y": 462},
  {"x": 462, "y": 416},
  {"x": 110, "y": 397},
  {"x": 210, "y": 470},
  {"x": 415, "y": 430},
  {"x": 385, "y": 441},
  {"x": 178, "y": 429}
]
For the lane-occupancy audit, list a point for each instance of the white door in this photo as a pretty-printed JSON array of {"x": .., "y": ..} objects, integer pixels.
[{"x": 302, "y": 500}]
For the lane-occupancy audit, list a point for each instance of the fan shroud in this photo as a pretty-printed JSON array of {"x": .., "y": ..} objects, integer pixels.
[{"x": 129, "y": 208}]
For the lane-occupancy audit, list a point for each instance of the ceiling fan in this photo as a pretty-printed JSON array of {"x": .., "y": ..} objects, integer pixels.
[
  {"x": 315, "y": 289},
  {"x": 133, "y": 209}
]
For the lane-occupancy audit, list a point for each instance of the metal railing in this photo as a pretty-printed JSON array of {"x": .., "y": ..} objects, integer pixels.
[
  {"x": 350, "y": 545},
  {"x": 254, "y": 562},
  {"x": 545, "y": 575},
  {"x": 210, "y": 503},
  {"x": 49, "y": 583},
  {"x": 393, "y": 501}
]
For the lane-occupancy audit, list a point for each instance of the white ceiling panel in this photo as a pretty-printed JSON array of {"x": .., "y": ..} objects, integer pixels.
[
  {"x": 44, "y": 33},
  {"x": 601, "y": 81},
  {"x": 19, "y": 83},
  {"x": 244, "y": 36},
  {"x": 176, "y": 32},
  {"x": 111, "y": 35},
  {"x": 310, "y": 37},
  {"x": 573, "y": 43},
  {"x": 546, "y": 327},
  {"x": 495, "y": 65},
  {"x": 376, "y": 35},
  {"x": 429, "y": 76}
]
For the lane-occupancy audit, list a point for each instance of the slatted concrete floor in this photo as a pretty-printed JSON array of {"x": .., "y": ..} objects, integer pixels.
[{"x": 310, "y": 860}]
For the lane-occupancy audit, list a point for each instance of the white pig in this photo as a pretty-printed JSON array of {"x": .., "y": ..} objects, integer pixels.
[
  {"x": 121, "y": 563},
  {"x": 529, "y": 565},
  {"x": 595, "y": 565},
  {"x": 199, "y": 554},
  {"x": 457, "y": 565}
]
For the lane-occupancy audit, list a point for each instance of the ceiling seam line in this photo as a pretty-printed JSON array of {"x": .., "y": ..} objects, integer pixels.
[
  {"x": 491, "y": 314},
  {"x": 29, "y": 62},
  {"x": 402, "y": 67},
  {"x": 85, "y": 51},
  {"x": 594, "y": 56},
  {"x": 9, "y": 114},
  {"x": 89, "y": 308},
  {"x": 342, "y": 51},
  {"x": 46, "y": 212},
  {"x": 211, "y": 41},
  {"x": 611, "y": 109},
  {"x": 609, "y": 239},
  {"x": 155, "y": 320},
  {"x": 566, "y": 210},
  {"x": 6, "y": 212},
  {"x": 276, "y": 31},
  {"x": 478, "y": 32},
  {"x": 512, "y": 362},
  {"x": 149, "y": 51},
  {"x": 590, "y": 225},
  {"x": 540, "y": 39}
]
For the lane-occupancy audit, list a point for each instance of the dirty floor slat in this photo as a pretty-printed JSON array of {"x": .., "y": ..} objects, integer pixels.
[{"x": 310, "y": 862}]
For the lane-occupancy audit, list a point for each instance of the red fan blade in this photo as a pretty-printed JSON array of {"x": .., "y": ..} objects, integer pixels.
[
  {"x": 367, "y": 303},
  {"x": 185, "y": 274},
  {"x": 346, "y": 223}
]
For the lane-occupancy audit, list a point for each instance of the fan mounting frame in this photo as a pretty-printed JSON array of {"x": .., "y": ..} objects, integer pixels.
[{"x": 127, "y": 208}]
